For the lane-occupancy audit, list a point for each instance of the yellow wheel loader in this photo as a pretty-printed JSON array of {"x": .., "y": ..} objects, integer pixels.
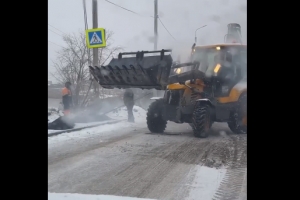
[{"x": 210, "y": 88}]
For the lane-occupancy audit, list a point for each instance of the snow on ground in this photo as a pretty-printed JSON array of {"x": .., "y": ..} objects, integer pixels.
[
  {"x": 81, "y": 125},
  {"x": 104, "y": 96},
  {"x": 69, "y": 196},
  {"x": 106, "y": 130},
  {"x": 52, "y": 117},
  {"x": 206, "y": 183},
  {"x": 119, "y": 114}
]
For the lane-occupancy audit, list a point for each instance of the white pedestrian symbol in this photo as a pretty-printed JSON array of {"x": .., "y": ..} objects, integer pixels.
[{"x": 95, "y": 39}]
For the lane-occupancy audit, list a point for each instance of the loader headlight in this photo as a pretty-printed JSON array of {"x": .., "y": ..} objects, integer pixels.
[
  {"x": 217, "y": 68},
  {"x": 178, "y": 70}
]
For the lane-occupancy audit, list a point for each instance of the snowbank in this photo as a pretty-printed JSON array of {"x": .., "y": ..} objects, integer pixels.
[
  {"x": 52, "y": 117},
  {"x": 105, "y": 131},
  {"x": 53, "y": 114},
  {"x": 206, "y": 183},
  {"x": 81, "y": 125},
  {"x": 70, "y": 196},
  {"x": 119, "y": 114}
]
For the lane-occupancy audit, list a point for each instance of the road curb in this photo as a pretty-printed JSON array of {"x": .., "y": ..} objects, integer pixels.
[{"x": 77, "y": 129}]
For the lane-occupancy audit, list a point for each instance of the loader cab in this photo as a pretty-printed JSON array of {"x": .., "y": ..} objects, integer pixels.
[
  {"x": 228, "y": 62},
  {"x": 224, "y": 65}
]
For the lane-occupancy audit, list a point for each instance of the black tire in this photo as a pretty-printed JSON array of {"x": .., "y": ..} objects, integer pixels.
[
  {"x": 201, "y": 120},
  {"x": 155, "y": 121},
  {"x": 237, "y": 115},
  {"x": 192, "y": 125}
]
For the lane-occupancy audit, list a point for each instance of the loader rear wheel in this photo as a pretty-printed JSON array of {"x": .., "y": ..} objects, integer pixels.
[
  {"x": 237, "y": 124},
  {"x": 201, "y": 121},
  {"x": 155, "y": 121}
]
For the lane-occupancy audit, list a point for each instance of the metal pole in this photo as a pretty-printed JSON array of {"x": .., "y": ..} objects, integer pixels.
[
  {"x": 154, "y": 92},
  {"x": 196, "y": 33},
  {"x": 95, "y": 25},
  {"x": 155, "y": 25},
  {"x": 95, "y": 50}
]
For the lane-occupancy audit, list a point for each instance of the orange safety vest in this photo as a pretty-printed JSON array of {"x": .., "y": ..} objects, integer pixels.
[{"x": 66, "y": 91}]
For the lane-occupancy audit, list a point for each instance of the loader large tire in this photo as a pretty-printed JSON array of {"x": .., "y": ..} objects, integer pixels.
[
  {"x": 237, "y": 116},
  {"x": 155, "y": 121},
  {"x": 201, "y": 120},
  {"x": 192, "y": 125}
]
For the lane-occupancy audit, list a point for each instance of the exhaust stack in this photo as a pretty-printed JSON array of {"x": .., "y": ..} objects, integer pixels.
[{"x": 233, "y": 33}]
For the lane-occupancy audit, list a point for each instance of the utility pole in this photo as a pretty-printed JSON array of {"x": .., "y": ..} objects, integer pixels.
[
  {"x": 155, "y": 25},
  {"x": 155, "y": 92},
  {"x": 95, "y": 25},
  {"x": 95, "y": 50}
]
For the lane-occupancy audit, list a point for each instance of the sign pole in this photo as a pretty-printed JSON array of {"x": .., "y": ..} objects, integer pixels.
[
  {"x": 95, "y": 50},
  {"x": 95, "y": 25}
]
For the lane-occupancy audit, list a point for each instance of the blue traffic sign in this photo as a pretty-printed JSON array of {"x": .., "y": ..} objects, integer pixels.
[{"x": 95, "y": 38}]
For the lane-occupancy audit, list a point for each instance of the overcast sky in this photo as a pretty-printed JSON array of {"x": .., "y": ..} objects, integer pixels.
[{"x": 134, "y": 32}]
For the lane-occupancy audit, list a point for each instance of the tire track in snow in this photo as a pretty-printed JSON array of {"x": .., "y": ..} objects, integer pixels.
[
  {"x": 182, "y": 155},
  {"x": 158, "y": 167},
  {"x": 151, "y": 166},
  {"x": 156, "y": 173},
  {"x": 231, "y": 186}
]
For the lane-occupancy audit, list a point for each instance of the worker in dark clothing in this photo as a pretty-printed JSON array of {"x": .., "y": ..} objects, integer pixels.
[
  {"x": 67, "y": 98},
  {"x": 128, "y": 99}
]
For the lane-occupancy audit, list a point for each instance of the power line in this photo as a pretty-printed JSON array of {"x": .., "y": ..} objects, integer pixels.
[
  {"x": 165, "y": 28},
  {"x": 127, "y": 9},
  {"x": 85, "y": 15},
  {"x": 142, "y": 15},
  {"x": 122, "y": 7},
  {"x": 55, "y": 44},
  {"x": 57, "y": 29},
  {"x": 119, "y": 7},
  {"x": 55, "y": 32}
]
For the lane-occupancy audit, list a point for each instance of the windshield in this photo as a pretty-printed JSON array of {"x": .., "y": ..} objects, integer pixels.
[{"x": 213, "y": 60}]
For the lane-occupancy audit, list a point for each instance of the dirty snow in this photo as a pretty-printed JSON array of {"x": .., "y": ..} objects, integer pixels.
[
  {"x": 52, "y": 117},
  {"x": 206, "y": 183},
  {"x": 106, "y": 130},
  {"x": 118, "y": 114},
  {"x": 73, "y": 196},
  {"x": 82, "y": 125}
]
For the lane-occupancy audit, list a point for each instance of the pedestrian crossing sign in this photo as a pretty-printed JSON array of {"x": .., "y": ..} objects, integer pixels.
[{"x": 95, "y": 38}]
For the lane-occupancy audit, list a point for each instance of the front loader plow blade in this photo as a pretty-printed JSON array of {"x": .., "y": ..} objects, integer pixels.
[{"x": 145, "y": 72}]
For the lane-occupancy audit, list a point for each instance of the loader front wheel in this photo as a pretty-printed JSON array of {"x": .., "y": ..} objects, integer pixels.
[
  {"x": 201, "y": 121},
  {"x": 155, "y": 121},
  {"x": 238, "y": 123},
  {"x": 192, "y": 125}
]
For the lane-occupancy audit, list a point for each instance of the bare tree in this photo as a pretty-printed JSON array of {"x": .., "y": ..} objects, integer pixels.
[{"x": 73, "y": 60}]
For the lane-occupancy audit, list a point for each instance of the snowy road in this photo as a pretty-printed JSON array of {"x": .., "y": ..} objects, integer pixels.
[{"x": 126, "y": 160}]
